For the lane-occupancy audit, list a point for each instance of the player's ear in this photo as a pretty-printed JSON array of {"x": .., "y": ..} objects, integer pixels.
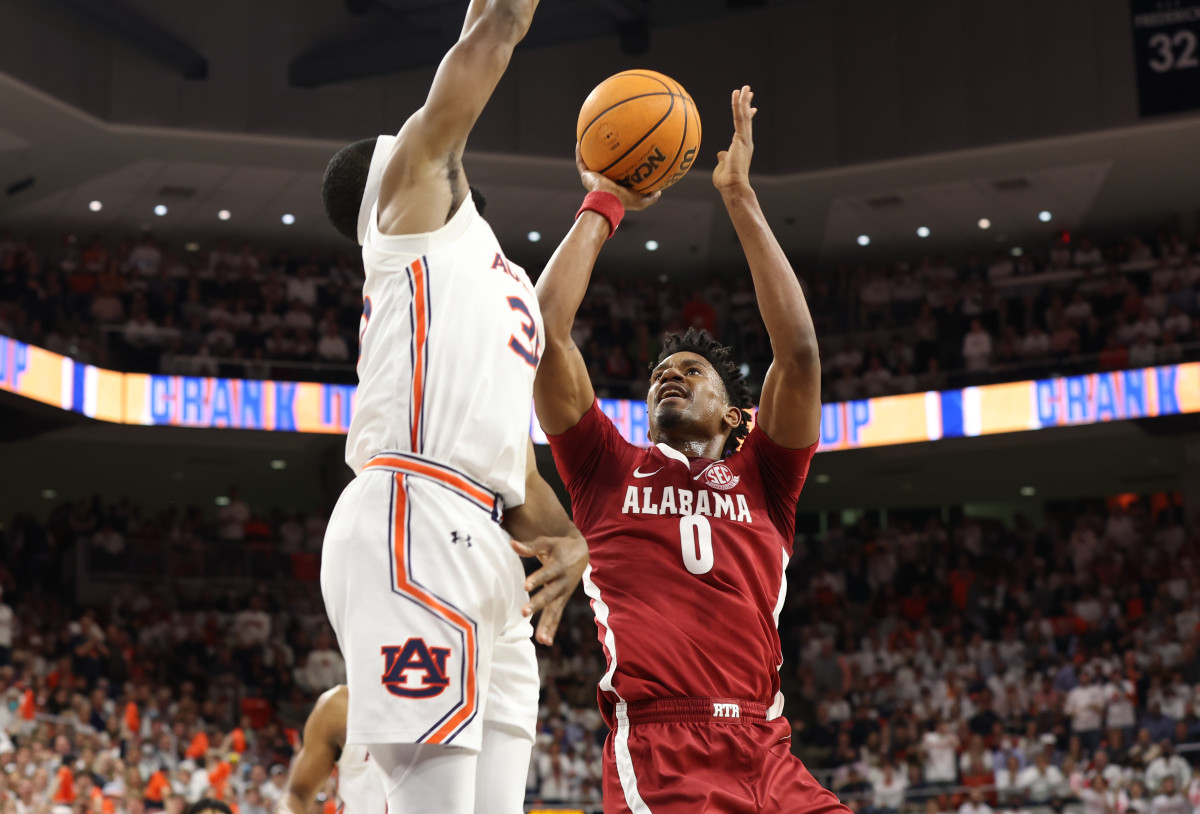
[{"x": 733, "y": 417}]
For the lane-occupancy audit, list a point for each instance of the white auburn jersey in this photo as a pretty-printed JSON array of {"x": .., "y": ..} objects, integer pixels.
[
  {"x": 450, "y": 340},
  {"x": 360, "y": 783}
]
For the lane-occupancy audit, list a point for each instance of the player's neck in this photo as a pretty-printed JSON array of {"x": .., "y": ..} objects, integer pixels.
[{"x": 710, "y": 448}]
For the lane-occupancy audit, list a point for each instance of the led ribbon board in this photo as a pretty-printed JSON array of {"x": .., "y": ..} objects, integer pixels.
[{"x": 204, "y": 402}]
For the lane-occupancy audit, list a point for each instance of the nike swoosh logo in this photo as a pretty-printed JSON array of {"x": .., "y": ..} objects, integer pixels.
[{"x": 638, "y": 473}]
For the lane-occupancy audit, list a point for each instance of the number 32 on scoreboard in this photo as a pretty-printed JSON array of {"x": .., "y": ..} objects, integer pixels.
[{"x": 1176, "y": 52}]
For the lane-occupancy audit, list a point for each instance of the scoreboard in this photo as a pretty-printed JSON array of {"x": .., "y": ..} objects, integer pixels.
[{"x": 1166, "y": 45}]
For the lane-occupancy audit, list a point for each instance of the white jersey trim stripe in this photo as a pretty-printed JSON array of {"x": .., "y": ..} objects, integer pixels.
[
  {"x": 633, "y": 798},
  {"x": 777, "y": 708},
  {"x": 610, "y": 640}
]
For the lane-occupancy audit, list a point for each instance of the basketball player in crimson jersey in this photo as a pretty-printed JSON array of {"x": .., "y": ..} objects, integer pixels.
[
  {"x": 359, "y": 786},
  {"x": 689, "y": 539},
  {"x": 419, "y": 574}
]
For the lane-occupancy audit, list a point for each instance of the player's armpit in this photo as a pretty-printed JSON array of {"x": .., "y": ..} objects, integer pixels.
[{"x": 542, "y": 529}]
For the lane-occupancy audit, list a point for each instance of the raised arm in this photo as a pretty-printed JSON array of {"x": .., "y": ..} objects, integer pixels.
[
  {"x": 424, "y": 178},
  {"x": 324, "y": 737},
  {"x": 790, "y": 404},
  {"x": 562, "y": 391},
  {"x": 542, "y": 529}
]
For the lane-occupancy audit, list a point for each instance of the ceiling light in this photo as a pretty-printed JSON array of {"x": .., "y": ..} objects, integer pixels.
[
  {"x": 1017, "y": 251},
  {"x": 984, "y": 223},
  {"x": 823, "y": 478},
  {"x": 1044, "y": 216},
  {"x": 534, "y": 236},
  {"x": 1028, "y": 491},
  {"x": 864, "y": 240},
  {"x": 49, "y": 494},
  {"x": 288, "y": 219},
  {"x": 191, "y": 247},
  {"x": 224, "y": 214},
  {"x": 95, "y": 206},
  {"x": 160, "y": 210},
  {"x": 278, "y": 464},
  {"x": 922, "y": 231},
  {"x": 662, "y": 278},
  {"x": 651, "y": 245},
  {"x": 222, "y": 501}
]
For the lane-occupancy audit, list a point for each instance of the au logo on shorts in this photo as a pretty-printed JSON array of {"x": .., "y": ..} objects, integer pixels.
[{"x": 415, "y": 670}]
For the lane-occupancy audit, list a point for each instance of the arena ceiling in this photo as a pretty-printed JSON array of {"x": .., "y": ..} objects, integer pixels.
[{"x": 1092, "y": 181}]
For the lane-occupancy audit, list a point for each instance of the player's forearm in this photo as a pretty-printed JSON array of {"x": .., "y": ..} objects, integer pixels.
[
  {"x": 542, "y": 515},
  {"x": 562, "y": 286},
  {"x": 780, "y": 298}
]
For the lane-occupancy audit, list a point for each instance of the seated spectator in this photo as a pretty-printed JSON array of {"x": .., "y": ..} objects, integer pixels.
[
  {"x": 1036, "y": 344},
  {"x": 975, "y": 804},
  {"x": 876, "y": 379},
  {"x": 888, "y": 785},
  {"x": 332, "y": 347},
  {"x": 1042, "y": 781},
  {"x": 977, "y": 347},
  {"x": 1169, "y": 799}
]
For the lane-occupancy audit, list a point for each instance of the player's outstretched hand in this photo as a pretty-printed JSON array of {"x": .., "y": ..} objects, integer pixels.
[
  {"x": 733, "y": 165},
  {"x": 563, "y": 562},
  {"x": 595, "y": 182}
]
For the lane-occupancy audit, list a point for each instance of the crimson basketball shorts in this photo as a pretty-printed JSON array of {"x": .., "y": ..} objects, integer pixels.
[
  {"x": 692, "y": 755},
  {"x": 425, "y": 593}
]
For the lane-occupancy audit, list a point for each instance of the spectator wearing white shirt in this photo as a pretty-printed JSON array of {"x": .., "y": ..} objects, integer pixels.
[
  {"x": 332, "y": 347},
  {"x": 1177, "y": 322},
  {"x": 324, "y": 667},
  {"x": 888, "y": 785},
  {"x": 1087, "y": 255},
  {"x": 940, "y": 747},
  {"x": 1169, "y": 800},
  {"x": 977, "y": 347},
  {"x": 1147, "y": 325},
  {"x": 1079, "y": 310},
  {"x": 1001, "y": 268},
  {"x": 1098, "y": 798},
  {"x": 1041, "y": 781},
  {"x": 977, "y": 804},
  {"x": 298, "y": 318},
  {"x": 233, "y": 516},
  {"x": 1036, "y": 344},
  {"x": 1168, "y": 767},
  {"x": 302, "y": 287},
  {"x": 1120, "y": 696},
  {"x": 7, "y": 628}
]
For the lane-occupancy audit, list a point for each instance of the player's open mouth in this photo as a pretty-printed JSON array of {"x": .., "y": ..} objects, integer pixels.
[{"x": 672, "y": 391}]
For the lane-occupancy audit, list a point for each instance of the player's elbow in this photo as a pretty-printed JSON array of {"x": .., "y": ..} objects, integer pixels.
[
  {"x": 800, "y": 355},
  {"x": 503, "y": 24}
]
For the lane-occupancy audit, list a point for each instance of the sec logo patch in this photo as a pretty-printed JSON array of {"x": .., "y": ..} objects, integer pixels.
[{"x": 720, "y": 476}]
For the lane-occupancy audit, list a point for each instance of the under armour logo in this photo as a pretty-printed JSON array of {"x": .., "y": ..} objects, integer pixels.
[{"x": 457, "y": 538}]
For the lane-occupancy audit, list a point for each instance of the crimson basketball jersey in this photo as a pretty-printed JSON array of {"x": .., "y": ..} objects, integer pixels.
[{"x": 687, "y": 561}]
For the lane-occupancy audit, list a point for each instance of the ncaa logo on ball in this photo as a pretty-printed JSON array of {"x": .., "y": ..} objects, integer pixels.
[
  {"x": 610, "y": 137},
  {"x": 720, "y": 476}
]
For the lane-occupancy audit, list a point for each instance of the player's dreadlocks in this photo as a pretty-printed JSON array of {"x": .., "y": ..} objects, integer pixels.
[{"x": 702, "y": 343}]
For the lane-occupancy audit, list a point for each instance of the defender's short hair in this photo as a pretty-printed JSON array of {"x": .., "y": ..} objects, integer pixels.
[
  {"x": 737, "y": 391},
  {"x": 344, "y": 183}
]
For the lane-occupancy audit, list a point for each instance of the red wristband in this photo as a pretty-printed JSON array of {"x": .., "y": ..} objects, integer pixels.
[{"x": 606, "y": 205}]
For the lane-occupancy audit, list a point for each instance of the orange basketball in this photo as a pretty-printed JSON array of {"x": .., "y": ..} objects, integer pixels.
[{"x": 640, "y": 129}]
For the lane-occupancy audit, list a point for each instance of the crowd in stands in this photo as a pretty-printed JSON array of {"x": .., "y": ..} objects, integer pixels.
[
  {"x": 910, "y": 326},
  {"x": 933, "y": 661}
]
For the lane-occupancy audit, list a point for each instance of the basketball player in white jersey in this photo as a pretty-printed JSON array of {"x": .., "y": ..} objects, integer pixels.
[
  {"x": 359, "y": 786},
  {"x": 420, "y": 579}
]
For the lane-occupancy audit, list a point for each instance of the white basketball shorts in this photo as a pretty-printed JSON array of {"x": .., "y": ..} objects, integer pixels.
[{"x": 425, "y": 593}]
